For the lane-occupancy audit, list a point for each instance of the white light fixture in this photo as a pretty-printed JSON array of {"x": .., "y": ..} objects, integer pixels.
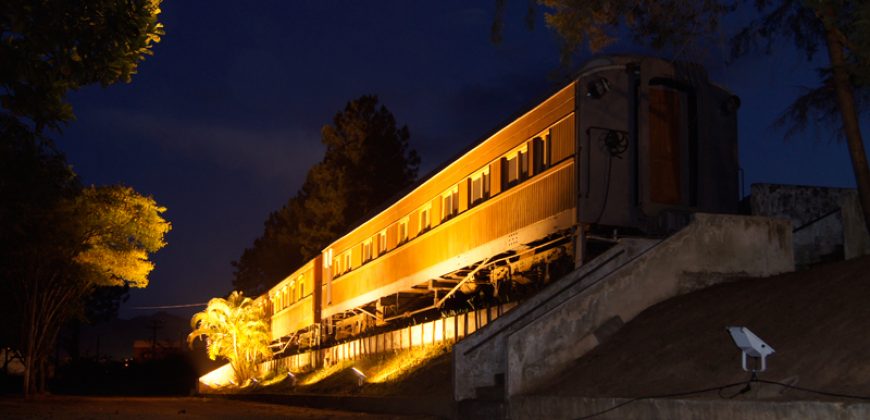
[
  {"x": 361, "y": 377},
  {"x": 751, "y": 346}
]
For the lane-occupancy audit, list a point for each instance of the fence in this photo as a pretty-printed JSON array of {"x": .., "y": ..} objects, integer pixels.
[{"x": 445, "y": 330}]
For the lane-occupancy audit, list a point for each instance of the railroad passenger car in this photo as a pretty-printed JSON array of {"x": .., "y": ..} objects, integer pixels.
[{"x": 632, "y": 146}]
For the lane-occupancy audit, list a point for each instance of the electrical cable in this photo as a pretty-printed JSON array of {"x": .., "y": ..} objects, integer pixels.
[
  {"x": 719, "y": 389},
  {"x": 615, "y": 143},
  {"x": 745, "y": 389},
  {"x": 675, "y": 394},
  {"x": 606, "y": 191},
  {"x": 814, "y": 391}
]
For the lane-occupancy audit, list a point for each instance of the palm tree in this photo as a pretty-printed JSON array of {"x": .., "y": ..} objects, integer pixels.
[{"x": 236, "y": 330}]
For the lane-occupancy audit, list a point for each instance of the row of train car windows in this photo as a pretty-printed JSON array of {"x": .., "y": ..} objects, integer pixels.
[
  {"x": 289, "y": 294},
  {"x": 514, "y": 168}
]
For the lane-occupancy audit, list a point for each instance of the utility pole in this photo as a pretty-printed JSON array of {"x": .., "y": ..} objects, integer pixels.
[{"x": 154, "y": 325}]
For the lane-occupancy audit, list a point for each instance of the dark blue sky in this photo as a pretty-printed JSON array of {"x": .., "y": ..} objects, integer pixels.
[{"x": 223, "y": 122}]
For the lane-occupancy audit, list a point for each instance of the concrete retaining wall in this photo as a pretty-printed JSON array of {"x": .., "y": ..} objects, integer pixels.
[
  {"x": 827, "y": 222},
  {"x": 563, "y": 407},
  {"x": 480, "y": 358},
  {"x": 712, "y": 249}
]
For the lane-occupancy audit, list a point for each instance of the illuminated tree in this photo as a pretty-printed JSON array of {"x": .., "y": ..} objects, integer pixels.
[
  {"x": 60, "y": 242},
  {"x": 841, "y": 27},
  {"x": 49, "y": 47},
  {"x": 234, "y": 329}
]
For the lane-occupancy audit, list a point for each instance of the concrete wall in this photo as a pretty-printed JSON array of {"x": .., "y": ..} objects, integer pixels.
[
  {"x": 712, "y": 249},
  {"x": 856, "y": 240},
  {"x": 556, "y": 408},
  {"x": 479, "y": 359},
  {"x": 827, "y": 222}
]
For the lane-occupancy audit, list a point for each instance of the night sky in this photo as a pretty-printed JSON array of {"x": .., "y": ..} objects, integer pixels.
[{"x": 223, "y": 122}]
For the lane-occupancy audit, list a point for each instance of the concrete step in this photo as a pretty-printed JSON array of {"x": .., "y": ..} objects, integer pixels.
[
  {"x": 480, "y": 409},
  {"x": 490, "y": 393}
]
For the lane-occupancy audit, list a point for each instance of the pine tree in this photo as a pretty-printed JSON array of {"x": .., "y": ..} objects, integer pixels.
[{"x": 368, "y": 160}]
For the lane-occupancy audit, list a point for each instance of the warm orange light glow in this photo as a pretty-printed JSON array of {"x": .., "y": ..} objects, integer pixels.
[
  {"x": 219, "y": 377},
  {"x": 394, "y": 367},
  {"x": 324, "y": 373}
]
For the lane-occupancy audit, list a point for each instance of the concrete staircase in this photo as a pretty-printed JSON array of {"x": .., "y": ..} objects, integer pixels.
[
  {"x": 530, "y": 345},
  {"x": 477, "y": 359}
]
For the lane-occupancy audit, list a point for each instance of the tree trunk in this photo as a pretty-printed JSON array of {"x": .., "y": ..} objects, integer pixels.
[{"x": 846, "y": 103}]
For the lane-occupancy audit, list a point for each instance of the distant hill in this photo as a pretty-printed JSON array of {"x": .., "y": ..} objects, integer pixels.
[{"x": 115, "y": 338}]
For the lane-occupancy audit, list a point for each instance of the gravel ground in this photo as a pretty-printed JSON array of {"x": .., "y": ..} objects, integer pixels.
[{"x": 133, "y": 408}]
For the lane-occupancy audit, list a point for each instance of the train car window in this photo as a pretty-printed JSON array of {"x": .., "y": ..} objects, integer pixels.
[
  {"x": 524, "y": 164},
  {"x": 515, "y": 166},
  {"x": 367, "y": 250},
  {"x": 450, "y": 203},
  {"x": 425, "y": 218},
  {"x": 479, "y": 190},
  {"x": 403, "y": 230},
  {"x": 382, "y": 242},
  {"x": 327, "y": 258},
  {"x": 347, "y": 259},
  {"x": 541, "y": 152}
]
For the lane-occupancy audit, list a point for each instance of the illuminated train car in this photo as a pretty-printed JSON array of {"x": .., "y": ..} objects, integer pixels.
[{"x": 631, "y": 147}]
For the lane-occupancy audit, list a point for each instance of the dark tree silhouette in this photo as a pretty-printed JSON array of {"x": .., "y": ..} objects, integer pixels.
[
  {"x": 274, "y": 255},
  {"x": 367, "y": 161},
  {"x": 49, "y": 47}
]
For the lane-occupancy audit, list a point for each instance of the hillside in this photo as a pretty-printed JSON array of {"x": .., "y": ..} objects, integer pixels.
[
  {"x": 817, "y": 320},
  {"x": 115, "y": 338}
]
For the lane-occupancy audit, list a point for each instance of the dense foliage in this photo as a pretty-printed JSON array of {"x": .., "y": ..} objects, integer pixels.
[
  {"x": 49, "y": 47},
  {"x": 234, "y": 329},
  {"x": 367, "y": 161}
]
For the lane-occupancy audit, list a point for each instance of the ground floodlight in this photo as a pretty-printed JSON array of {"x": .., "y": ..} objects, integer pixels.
[
  {"x": 751, "y": 346},
  {"x": 361, "y": 377}
]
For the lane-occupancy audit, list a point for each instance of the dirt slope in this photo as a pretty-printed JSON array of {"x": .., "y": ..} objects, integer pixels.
[{"x": 817, "y": 320}]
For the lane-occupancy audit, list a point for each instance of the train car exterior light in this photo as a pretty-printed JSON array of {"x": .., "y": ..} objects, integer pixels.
[
  {"x": 597, "y": 88},
  {"x": 751, "y": 346}
]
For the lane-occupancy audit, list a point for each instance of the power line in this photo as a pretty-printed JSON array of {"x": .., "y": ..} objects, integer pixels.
[{"x": 186, "y": 305}]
